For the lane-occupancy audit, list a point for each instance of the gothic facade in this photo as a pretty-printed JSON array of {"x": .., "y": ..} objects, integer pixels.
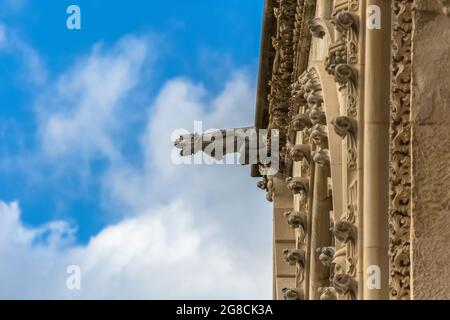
[{"x": 358, "y": 90}]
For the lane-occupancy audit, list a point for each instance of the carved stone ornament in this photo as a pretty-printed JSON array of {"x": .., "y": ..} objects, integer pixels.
[
  {"x": 326, "y": 255},
  {"x": 344, "y": 231},
  {"x": 344, "y": 73},
  {"x": 400, "y": 151},
  {"x": 344, "y": 126},
  {"x": 322, "y": 157},
  {"x": 290, "y": 294},
  {"x": 327, "y": 293},
  {"x": 300, "y": 122},
  {"x": 319, "y": 135},
  {"x": 316, "y": 29},
  {"x": 300, "y": 152},
  {"x": 294, "y": 257},
  {"x": 298, "y": 185},
  {"x": 345, "y": 285},
  {"x": 344, "y": 21},
  {"x": 296, "y": 219}
]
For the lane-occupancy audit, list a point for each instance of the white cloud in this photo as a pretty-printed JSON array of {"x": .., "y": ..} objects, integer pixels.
[
  {"x": 157, "y": 255},
  {"x": 186, "y": 231},
  {"x": 85, "y": 100}
]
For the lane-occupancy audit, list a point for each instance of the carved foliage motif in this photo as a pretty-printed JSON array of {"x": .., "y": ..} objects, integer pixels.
[
  {"x": 400, "y": 162},
  {"x": 344, "y": 52}
]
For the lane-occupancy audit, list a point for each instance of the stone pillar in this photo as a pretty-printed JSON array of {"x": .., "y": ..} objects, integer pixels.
[
  {"x": 324, "y": 8},
  {"x": 376, "y": 151},
  {"x": 320, "y": 234}
]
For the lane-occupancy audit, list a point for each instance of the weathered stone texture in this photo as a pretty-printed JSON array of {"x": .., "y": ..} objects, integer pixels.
[{"x": 430, "y": 116}]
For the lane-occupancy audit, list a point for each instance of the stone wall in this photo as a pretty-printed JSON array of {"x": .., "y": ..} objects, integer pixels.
[{"x": 430, "y": 119}]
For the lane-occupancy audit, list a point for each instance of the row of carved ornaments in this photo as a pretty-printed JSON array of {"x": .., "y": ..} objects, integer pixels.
[{"x": 296, "y": 108}]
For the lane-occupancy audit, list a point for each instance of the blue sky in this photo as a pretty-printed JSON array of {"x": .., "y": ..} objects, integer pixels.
[{"x": 85, "y": 124}]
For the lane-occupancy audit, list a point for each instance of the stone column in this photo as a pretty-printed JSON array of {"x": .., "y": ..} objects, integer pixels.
[
  {"x": 324, "y": 8},
  {"x": 320, "y": 231},
  {"x": 376, "y": 151}
]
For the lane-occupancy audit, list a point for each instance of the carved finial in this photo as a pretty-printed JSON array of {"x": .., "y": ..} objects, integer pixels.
[
  {"x": 327, "y": 293},
  {"x": 290, "y": 294},
  {"x": 293, "y": 257},
  {"x": 326, "y": 255},
  {"x": 344, "y": 231},
  {"x": 343, "y": 126}
]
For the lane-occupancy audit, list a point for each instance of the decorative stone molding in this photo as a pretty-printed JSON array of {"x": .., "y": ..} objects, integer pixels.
[{"x": 400, "y": 151}]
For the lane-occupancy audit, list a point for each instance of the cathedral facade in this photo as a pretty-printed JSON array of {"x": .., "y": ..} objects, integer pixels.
[{"x": 359, "y": 92}]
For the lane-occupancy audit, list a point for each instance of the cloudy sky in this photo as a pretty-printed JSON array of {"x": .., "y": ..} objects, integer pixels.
[{"x": 86, "y": 176}]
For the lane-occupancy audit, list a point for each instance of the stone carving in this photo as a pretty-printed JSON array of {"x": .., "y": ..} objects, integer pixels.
[
  {"x": 298, "y": 185},
  {"x": 300, "y": 122},
  {"x": 400, "y": 153},
  {"x": 346, "y": 127},
  {"x": 266, "y": 183},
  {"x": 226, "y": 140},
  {"x": 290, "y": 294},
  {"x": 327, "y": 293},
  {"x": 345, "y": 285},
  {"x": 322, "y": 157},
  {"x": 296, "y": 219},
  {"x": 344, "y": 231},
  {"x": 294, "y": 257},
  {"x": 319, "y": 135},
  {"x": 337, "y": 55},
  {"x": 326, "y": 255},
  {"x": 344, "y": 21},
  {"x": 316, "y": 28},
  {"x": 344, "y": 73},
  {"x": 300, "y": 152}
]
